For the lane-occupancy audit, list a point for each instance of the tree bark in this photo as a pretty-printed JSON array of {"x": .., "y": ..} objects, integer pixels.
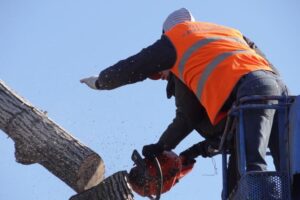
[
  {"x": 40, "y": 140},
  {"x": 115, "y": 187}
]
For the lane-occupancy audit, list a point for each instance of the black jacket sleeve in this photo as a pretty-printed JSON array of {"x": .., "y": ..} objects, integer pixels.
[{"x": 155, "y": 58}]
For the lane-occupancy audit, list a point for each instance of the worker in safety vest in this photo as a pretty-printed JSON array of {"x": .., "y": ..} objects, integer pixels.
[{"x": 219, "y": 65}]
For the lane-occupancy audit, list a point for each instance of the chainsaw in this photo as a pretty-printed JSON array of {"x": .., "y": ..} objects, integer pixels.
[{"x": 153, "y": 177}]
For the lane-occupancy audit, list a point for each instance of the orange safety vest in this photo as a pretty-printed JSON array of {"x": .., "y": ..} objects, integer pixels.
[{"x": 210, "y": 61}]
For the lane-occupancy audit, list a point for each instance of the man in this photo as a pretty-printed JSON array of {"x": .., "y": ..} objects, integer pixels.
[{"x": 218, "y": 64}]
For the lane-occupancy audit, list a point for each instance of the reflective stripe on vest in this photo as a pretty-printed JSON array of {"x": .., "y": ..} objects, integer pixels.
[
  {"x": 200, "y": 44},
  {"x": 212, "y": 65}
]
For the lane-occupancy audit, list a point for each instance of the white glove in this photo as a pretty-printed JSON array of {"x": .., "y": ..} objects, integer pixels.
[{"x": 90, "y": 81}]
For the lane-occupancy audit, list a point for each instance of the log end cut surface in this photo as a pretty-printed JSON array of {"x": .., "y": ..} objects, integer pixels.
[{"x": 91, "y": 172}]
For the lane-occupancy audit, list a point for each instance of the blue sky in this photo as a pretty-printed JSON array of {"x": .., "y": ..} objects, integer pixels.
[{"x": 46, "y": 47}]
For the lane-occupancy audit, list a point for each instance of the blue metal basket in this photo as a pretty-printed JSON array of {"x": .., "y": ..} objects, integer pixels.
[
  {"x": 262, "y": 186},
  {"x": 268, "y": 185}
]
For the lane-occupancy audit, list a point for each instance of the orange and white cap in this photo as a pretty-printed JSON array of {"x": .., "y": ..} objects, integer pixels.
[{"x": 176, "y": 17}]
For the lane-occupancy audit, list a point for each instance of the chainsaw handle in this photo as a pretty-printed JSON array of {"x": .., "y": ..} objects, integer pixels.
[
  {"x": 160, "y": 180},
  {"x": 138, "y": 160}
]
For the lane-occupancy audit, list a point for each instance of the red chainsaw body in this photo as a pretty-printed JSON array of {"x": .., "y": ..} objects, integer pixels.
[{"x": 145, "y": 181}]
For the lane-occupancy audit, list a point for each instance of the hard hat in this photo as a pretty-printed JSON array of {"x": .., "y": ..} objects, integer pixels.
[{"x": 176, "y": 17}]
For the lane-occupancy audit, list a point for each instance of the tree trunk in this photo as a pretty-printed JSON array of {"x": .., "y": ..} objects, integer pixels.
[
  {"x": 39, "y": 140},
  {"x": 115, "y": 187}
]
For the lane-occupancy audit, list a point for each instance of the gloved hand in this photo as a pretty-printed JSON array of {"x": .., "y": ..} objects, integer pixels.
[
  {"x": 205, "y": 149},
  {"x": 187, "y": 160},
  {"x": 152, "y": 150},
  {"x": 90, "y": 81}
]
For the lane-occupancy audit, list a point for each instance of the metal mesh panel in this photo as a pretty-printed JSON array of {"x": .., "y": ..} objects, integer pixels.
[{"x": 262, "y": 186}]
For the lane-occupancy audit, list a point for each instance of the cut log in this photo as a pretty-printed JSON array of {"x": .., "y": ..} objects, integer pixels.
[
  {"x": 38, "y": 139},
  {"x": 114, "y": 187}
]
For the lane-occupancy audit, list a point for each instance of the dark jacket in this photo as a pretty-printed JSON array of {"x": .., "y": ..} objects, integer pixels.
[
  {"x": 190, "y": 115},
  {"x": 158, "y": 57},
  {"x": 155, "y": 58}
]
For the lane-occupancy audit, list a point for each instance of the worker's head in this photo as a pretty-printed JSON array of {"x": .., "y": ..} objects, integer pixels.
[{"x": 176, "y": 17}]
